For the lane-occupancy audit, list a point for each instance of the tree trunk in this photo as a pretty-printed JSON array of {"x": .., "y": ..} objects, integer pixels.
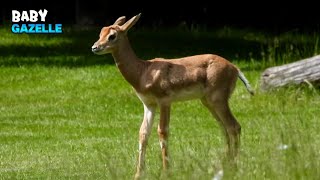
[{"x": 306, "y": 70}]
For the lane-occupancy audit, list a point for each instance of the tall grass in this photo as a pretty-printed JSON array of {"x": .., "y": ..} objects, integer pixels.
[{"x": 67, "y": 114}]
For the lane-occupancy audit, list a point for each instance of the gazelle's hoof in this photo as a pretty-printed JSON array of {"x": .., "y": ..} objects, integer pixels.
[{"x": 138, "y": 176}]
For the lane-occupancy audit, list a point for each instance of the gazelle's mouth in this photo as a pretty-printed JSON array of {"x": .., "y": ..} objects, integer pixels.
[
  {"x": 96, "y": 48},
  {"x": 99, "y": 50}
]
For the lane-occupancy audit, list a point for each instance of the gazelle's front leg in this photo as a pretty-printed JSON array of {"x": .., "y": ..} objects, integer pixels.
[
  {"x": 163, "y": 132},
  {"x": 144, "y": 133}
]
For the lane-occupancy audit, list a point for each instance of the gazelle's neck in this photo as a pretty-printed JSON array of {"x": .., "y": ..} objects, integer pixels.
[{"x": 130, "y": 66}]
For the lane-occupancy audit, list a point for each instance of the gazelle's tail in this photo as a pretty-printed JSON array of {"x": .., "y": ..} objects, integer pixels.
[{"x": 246, "y": 82}]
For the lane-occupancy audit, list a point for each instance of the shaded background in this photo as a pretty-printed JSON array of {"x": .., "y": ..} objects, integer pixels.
[
  {"x": 266, "y": 31},
  {"x": 268, "y": 15}
]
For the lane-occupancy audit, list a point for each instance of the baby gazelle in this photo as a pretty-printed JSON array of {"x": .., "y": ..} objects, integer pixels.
[{"x": 159, "y": 82}]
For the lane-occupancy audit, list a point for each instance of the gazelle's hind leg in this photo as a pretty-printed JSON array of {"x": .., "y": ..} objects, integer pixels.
[
  {"x": 214, "y": 114},
  {"x": 219, "y": 108}
]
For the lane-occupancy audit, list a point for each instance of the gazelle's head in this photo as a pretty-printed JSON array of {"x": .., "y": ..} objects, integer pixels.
[{"x": 111, "y": 36}]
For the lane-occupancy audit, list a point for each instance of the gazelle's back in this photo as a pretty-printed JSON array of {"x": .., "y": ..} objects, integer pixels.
[{"x": 187, "y": 77}]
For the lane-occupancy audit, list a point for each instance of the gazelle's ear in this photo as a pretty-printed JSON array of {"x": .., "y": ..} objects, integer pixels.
[
  {"x": 130, "y": 23},
  {"x": 120, "y": 21}
]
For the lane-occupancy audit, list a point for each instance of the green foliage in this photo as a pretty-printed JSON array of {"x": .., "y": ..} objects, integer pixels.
[{"x": 68, "y": 114}]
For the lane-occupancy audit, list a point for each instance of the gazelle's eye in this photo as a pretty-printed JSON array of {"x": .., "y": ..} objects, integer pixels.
[{"x": 111, "y": 37}]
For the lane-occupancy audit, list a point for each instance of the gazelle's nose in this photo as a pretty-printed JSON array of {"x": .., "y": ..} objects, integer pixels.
[{"x": 94, "y": 48}]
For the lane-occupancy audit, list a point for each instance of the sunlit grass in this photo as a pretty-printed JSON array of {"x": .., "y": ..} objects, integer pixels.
[{"x": 73, "y": 116}]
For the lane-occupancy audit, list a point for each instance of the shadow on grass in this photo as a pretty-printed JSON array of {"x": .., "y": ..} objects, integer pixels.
[{"x": 147, "y": 44}]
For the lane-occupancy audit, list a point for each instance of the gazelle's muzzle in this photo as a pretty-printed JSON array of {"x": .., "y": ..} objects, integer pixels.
[{"x": 96, "y": 48}]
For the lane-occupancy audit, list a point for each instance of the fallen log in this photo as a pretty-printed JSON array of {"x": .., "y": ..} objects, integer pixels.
[{"x": 303, "y": 71}]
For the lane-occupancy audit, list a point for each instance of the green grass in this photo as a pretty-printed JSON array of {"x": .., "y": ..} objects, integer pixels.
[{"x": 68, "y": 114}]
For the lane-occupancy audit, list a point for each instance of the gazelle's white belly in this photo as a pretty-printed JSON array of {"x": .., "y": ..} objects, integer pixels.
[
  {"x": 188, "y": 93},
  {"x": 183, "y": 94}
]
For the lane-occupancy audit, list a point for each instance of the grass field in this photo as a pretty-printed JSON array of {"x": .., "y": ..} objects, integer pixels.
[{"x": 68, "y": 114}]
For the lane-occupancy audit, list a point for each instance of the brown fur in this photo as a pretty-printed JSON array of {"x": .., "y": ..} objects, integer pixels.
[{"x": 159, "y": 82}]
